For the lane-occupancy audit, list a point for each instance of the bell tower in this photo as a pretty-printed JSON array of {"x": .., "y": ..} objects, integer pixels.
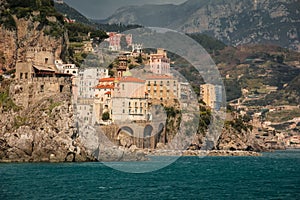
[{"x": 123, "y": 65}]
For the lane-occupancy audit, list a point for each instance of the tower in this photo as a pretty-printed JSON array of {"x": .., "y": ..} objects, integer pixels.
[{"x": 122, "y": 65}]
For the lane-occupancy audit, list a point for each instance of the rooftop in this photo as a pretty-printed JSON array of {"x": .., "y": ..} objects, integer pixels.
[
  {"x": 131, "y": 79},
  {"x": 152, "y": 77}
]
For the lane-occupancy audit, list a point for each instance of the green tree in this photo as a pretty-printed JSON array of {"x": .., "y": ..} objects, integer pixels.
[{"x": 105, "y": 116}]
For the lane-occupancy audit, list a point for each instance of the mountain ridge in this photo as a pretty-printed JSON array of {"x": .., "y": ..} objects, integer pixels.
[{"x": 233, "y": 22}]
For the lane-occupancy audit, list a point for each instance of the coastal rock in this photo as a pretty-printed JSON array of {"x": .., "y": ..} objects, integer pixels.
[{"x": 42, "y": 132}]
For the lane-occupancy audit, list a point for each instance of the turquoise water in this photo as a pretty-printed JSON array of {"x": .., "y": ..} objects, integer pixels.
[{"x": 272, "y": 176}]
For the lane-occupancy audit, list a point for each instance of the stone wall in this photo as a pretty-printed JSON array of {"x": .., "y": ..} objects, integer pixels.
[{"x": 28, "y": 92}]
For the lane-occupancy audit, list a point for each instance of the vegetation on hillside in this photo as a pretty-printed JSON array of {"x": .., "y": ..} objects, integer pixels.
[{"x": 210, "y": 44}]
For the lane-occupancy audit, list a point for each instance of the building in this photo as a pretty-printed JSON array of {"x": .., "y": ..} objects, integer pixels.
[
  {"x": 115, "y": 40},
  {"x": 87, "y": 80},
  {"x": 88, "y": 47},
  {"x": 103, "y": 98},
  {"x": 130, "y": 101},
  {"x": 159, "y": 62},
  {"x": 66, "y": 68},
  {"x": 39, "y": 62},
  {"x": 211, "y": 95},
  {"x": 162, "y": 88}
]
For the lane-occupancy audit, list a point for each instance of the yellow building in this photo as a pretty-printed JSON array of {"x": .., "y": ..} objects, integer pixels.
[
  {"x": 211, "y": 95},
  {"x": 162, "y": 87}
]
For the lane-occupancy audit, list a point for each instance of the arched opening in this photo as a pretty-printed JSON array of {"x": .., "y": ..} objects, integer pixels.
[
  {"x": 125, "y": 136},
  {"x": 147, "y": 136}
]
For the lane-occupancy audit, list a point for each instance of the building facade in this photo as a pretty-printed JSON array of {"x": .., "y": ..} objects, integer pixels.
[
  {"x": 162, "y": 88},
  {"x": 159, "y": 62},
  {"x": 211, "y": 95},
  {"x": 130, "y": 101}
]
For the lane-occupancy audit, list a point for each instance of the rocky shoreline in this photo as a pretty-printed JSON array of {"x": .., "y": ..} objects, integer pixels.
[
  {"x": 200, "y": 153},
  {"x": 143, "y": 155}
]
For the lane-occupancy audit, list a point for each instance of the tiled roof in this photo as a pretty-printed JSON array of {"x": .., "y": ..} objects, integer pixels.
[
  {"x": 104, "y": 86},
  {"x": 131, "y": 79},
  {"x": 109, "y": 92},
  {"x": 110, "y": 79}
]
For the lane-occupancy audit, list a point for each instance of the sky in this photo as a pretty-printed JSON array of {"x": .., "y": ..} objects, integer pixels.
[{"x": 101, "y": 9}]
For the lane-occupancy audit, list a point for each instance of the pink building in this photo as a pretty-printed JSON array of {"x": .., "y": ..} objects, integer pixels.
[
  {"x": 115, "y": 40},
  {"x": 160, "y": 63}
]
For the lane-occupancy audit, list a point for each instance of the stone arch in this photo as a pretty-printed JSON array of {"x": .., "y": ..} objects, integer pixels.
[
  {"x": 147, "y": 136},
  {"x": 159, "y": 136},
  {"x": 125, "y": 136},
  {"x": 148, "y": 131},
  {"x": 126, "y": 129}
]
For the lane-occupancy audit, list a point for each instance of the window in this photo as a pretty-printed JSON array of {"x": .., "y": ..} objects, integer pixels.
[
  {"x": 123, "y": 87},
  {"x": 46, "y": 60},
  {"x": 21, "y": 75},
  {"x": 42, "y": 88},
  {"x": 26, "y": 75},
  {"x": 61, "y": 88}
]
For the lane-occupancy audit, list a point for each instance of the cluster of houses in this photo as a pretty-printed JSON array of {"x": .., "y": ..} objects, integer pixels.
[{"x": 102, "y": 99}]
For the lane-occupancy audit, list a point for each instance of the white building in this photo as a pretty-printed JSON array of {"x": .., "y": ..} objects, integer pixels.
[
  {"x": 66, "y": 68},
  {"x": 130, "y": 101},
  {"x": 88, "y": 79}
]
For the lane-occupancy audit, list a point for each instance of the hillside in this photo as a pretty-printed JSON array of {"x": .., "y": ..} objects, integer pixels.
[
  {"x": 29, "y": 24},
  {"x": 71, "y": 13},
  {"x": 231, "y": 21}
]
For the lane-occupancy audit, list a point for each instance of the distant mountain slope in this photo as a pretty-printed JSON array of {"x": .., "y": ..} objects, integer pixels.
[
  {"x": 71, "y": 13},
  {"x": 234, "y": 22}
]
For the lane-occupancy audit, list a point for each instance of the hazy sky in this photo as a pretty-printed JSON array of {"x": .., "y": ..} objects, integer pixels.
[{"x": 101, "y": 9}]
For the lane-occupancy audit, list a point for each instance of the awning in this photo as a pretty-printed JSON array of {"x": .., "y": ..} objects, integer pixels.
[{"x": 41, "y": 68}]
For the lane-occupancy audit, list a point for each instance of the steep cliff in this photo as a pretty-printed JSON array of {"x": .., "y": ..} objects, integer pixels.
[
  {"x": 42, "y": 131},
  {"x": 23, "y": 25}
]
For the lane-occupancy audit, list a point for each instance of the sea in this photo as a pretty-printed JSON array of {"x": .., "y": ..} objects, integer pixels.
[{"x": 274, "y": 175}]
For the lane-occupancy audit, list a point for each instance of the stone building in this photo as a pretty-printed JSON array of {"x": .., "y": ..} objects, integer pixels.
[
  {"x": 39, "y": 62},
  {"x": 123, "y": 65}
]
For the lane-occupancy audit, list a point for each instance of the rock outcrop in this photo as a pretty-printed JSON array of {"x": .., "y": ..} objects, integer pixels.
[
  {"x": 20, "y": 33},
  {"x": 42, "y": 132}
]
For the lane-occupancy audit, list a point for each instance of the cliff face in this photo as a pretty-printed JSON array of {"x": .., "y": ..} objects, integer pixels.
[
  {"x": 42, "y": 131},
  {"x": 18, "y": 33},
  {"x": 231, "y": 21}
]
